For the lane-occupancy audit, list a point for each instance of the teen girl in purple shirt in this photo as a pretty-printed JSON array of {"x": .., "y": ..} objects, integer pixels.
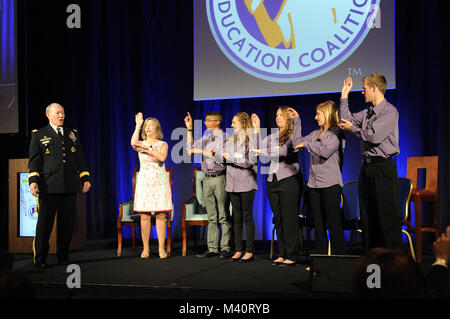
[{"x": 326, "y": 146}]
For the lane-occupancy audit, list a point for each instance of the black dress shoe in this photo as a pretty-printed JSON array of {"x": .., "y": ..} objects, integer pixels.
[
  {"x": 41, "y": 265},
  {"x": 63, "y": 262},
  {"x": 208, "y": 254},
  {"x": 246, "y": 260},
  {"x": 225, "y": 254},
  {"x": 288, "y": 265}
]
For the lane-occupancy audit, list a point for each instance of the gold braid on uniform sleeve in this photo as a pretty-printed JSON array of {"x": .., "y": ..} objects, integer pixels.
[{"x": 84, "y": 174}]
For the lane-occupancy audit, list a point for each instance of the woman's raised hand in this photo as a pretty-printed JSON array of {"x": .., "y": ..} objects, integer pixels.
[
  {"x": 188, "y": 121},
  {"x": 292, "y": 113},
  {"x": 256, "y": 122},
  {"x": 139, "y": 119}
]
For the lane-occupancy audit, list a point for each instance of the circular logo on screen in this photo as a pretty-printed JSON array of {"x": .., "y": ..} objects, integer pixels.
[
  {"x": 290, "y": 40},
  {"x": 32, "y": 212}
]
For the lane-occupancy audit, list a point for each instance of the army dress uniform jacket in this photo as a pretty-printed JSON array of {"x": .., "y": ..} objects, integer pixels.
[{"x": 57, "y": 164}]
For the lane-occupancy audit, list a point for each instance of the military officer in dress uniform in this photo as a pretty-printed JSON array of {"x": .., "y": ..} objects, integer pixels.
[{"x": 57, "y": 172}]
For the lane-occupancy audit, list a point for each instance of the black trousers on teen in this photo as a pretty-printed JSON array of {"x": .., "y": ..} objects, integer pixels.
[
  {"x": 243, "y": 212},
  {"x": 284, "y": 198},
  {"x": 49, "y": 204},
  {"x": 379, "y": 205},
  {"x": 325, "y": 209}
]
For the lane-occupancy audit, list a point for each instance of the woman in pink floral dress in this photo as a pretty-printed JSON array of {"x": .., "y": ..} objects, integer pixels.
[{"x": 153, "y": 193}]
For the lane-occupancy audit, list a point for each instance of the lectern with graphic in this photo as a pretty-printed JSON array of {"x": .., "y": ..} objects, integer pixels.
[{"x": 23, "y": 213}]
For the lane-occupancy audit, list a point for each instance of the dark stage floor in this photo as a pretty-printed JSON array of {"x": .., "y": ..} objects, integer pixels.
[{"x": 105, "y": 276}]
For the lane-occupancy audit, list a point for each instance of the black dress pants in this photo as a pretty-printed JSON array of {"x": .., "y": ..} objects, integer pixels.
[
  {"x": 379, "y": 205},
  {"x": 243, "y": 212},
  {"x": 325, "y": 209},
  {"x": 284, "y": 197},
  {"x": 49, "y": 204}
]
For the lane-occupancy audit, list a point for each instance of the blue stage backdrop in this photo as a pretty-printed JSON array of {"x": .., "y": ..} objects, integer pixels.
[
  {"x": 9, "y": 116},
  {"x": 137, "y": 56},
  {"x": 7, "y": 48}
]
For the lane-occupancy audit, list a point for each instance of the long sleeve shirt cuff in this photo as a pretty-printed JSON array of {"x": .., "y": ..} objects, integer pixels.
[
  {"x": 354, "y": 129},
  {"x": 440, "y": 262}
]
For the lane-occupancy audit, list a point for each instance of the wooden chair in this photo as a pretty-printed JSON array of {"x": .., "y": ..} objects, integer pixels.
[
  {"x": 190, "y": 218},
  {"x": 428, "y": 194},
  {"x": 127, "y": 217}
]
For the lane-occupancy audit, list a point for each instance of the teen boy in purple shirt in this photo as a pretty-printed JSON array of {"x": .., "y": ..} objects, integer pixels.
[
  {"x": 214, "y": 194},
  {"x": 377, "y": 128}
]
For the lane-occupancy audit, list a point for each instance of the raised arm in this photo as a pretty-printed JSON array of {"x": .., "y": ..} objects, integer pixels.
[
  {"x": 135, "y": 143},
  {"x": 189, "y": 126},
  {"x": 297, "y": 134},
  {"x": 344, "y": 112}
]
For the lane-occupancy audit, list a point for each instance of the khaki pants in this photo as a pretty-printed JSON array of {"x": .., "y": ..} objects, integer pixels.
[{"x": 215, "y": 199}]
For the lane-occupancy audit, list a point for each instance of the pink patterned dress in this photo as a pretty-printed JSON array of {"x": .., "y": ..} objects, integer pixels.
[{"x": 153, "y": 193}]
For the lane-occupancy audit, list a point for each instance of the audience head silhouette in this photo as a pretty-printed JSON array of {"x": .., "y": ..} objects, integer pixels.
[{"x": 400, "y": 276}]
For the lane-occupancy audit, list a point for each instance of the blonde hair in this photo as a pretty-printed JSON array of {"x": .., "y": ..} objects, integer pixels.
[
  {"x": 287, "y": 132},
  {"x": 378, "y": 80},
  {"x": 159, "y": 134},
  {"x": 330, "y": 112},
  {"x": 247, "y": 125}
]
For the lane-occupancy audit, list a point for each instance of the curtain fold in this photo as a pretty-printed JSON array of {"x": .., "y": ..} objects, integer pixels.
[{"x": 7, "y": 42}]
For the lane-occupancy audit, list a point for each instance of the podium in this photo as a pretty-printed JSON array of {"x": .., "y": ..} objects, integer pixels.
[{"x": 24, "y": 245}]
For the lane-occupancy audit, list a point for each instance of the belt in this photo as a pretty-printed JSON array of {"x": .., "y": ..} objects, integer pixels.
[
  {"x": 215, "y": 174},
  {"x": 376, "y": 159}
]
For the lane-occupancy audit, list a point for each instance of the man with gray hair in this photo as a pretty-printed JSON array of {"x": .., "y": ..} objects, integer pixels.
[{"x": 57, "y": 172}]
